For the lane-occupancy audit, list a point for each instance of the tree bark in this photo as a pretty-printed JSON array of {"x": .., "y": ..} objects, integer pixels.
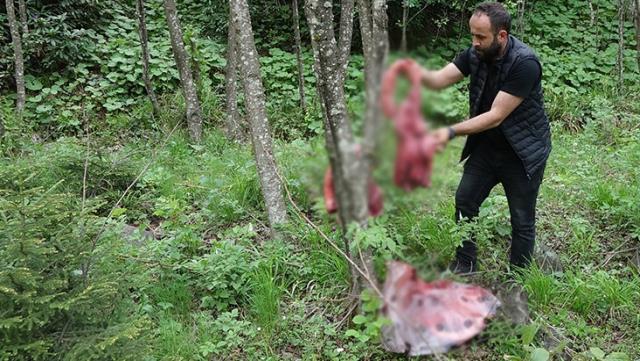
[
  {"x": 257, "y": 114},
  {"x": 144, "y": 40},
  {"x": 636, "y": 18},
  {"x": 405, "y": 11},
  {"x": 1, "y": 126},
  {"x": 375, "y": 45},
  {"x": 296, "y": 31},
  {"x": 233, "y": 128},
  {"x": 18, "y": 55},
  {"x": 349, "y": 171},
  {"x": 346, "y": 33},
  {"x": 592, "y": 13},
  {"x": 22, "y": 8},
  {"x": 195, "y": 62},
  {"x": 194, "y": 115},
  {"x": 620, "y": 60},
  {"x": 520, "y": 23}
]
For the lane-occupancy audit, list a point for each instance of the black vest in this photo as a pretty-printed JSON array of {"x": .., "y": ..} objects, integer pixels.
[{"x": 527, "y": 127}]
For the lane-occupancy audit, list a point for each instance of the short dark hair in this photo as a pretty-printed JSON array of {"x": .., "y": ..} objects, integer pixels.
[{"x": 498, "y": 15}]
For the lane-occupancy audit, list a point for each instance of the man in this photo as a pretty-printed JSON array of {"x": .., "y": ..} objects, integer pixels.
[{"x": 508, "y": 132}]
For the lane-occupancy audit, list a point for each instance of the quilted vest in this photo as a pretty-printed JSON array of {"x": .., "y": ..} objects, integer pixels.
[{"x": 527, "y": 127}]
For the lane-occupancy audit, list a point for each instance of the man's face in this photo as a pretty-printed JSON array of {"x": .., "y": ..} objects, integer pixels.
[{"x": 484, "y": 41}]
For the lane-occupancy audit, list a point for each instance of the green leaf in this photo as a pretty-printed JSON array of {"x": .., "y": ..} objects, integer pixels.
[
  {"x": 359, "y": 319},
  {"x": 44, "y": 108},
  {"x": 35, "y": 99},
  {"x": 617, "y": 356},
  {"x": 352, "y": 333},
  {"x": 597, "y": 353},
  {"x": 540, "y": 354},
  {"x": 118, "y": 212},
  {"x": 529, "y": 333},
  {"x": 32, "y": 83}
]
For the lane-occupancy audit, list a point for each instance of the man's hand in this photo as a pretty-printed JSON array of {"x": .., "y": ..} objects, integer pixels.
[{"x": 442, "y": 137}]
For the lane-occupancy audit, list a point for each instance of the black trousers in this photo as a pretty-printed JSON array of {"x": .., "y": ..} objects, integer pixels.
[{"x": 485, "y": 168}]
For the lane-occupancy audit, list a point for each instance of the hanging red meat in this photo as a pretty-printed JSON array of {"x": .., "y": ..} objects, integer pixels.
[
  {"x": 373, "y": 192},
  {"x": 416, "y": 147},
  {"x": 431, "y": 317}
]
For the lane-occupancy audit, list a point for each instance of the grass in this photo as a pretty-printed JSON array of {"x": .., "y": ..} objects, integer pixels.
[{"x": 215, "y": 287}]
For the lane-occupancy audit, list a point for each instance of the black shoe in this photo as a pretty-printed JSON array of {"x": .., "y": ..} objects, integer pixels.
[{"x": 462, "y": 267}]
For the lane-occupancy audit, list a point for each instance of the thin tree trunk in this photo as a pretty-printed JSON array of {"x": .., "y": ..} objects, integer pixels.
[
  {"x": 346, "y": 32},
  {"x": 637, "y": 23},
  {"x": 296, "y": 31},
  {"x": 18, "y": 56},
  {"x": 233, "y": 128},
  {"x": 350, "y": 174},
  {"x": 375, "y": 44},
  {"x": 1, "y": 125},
  {"x": 22, "y": 8},
  {"x": 256, "y": 111},
  {"x": 344, "y": 53},
  {"x": 341, "y": 145},
  {"x": 195, "y": 62},
  {"x": 144, "y": 40},
  {"x": 520, "y": 24},
  {"x": 194, "y": 115},
  {"x": 620, "y": 60},
  {"x": 405, "y": 11}
]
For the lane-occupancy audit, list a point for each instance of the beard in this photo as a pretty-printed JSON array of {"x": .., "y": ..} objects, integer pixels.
[{"x": 491, "y": 53}]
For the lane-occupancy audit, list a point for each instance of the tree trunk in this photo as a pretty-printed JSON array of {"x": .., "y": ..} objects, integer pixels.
[
  {"x": 194, "y": 116},
  {"x": 18, "y": 56},
  {"x": 1, "y": 126},
  {"x": 296, "y": 31},
  {"x": 233, "y": 128},
  {"x": 195, "y": 63},
  {"x": 405, "y": 11},
  {"x": 520, "y": 23},
  {"x": 346, "y": 32},
  {"x": 375, "y": 45},
  {"x": 349, "y": 171},
  {"x": 144, "y": 39},
  {"x": 620, "y": 60},
  {"x": 256, "y": 111},
  {"x": 22, "y": 8},
  {"x": 636, "y": 18}
]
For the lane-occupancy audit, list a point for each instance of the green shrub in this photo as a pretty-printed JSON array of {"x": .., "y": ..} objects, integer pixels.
[{"x": 63, "y": 290}]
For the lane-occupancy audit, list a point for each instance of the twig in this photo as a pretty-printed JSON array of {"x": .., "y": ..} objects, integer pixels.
[
  {"x": 418, "y": 13},
  {"x": 616, "y": 252},
  {"x": 346, "y": 316},
  {"x": 364, "y": 264},
  {"x": 326, "y": 238}
]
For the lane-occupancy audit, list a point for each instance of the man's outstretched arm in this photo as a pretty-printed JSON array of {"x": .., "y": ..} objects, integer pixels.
[
  {"x": 502, "y": 106},
  {"x": 439, "y": 79}
]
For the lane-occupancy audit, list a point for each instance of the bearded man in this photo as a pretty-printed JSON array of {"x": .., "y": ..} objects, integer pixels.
[{"x": 509, "y": 138}]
